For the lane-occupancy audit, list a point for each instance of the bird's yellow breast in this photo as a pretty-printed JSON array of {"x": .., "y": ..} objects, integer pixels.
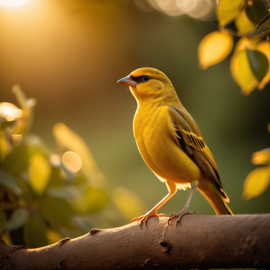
[{"x": 154, "y": 134}]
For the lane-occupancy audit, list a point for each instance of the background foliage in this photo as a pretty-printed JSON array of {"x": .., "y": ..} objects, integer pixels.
[
  {"x": 48, "y": 195},
  {"x": 70, "y": 63}
]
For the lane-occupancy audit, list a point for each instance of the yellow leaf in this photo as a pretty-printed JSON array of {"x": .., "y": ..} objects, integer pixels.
[
  {"x": 245, "y": 43},
  {"x": 128, "y": 203},
  {"x": 261, "y": 157},
  {"x": 227, "y": 10},
  {"x": 264, "y": 47},
  {"x": 68, "y": 139},
  {"x": 5, "y": 146},
  {"x": 243, "y": 24},
  {"x": 39, "y": 171},
  {"x": 6, "y": 237},
  {"x": 256, "y": 182},
  {"x": 242, "y": 73},
  {"x": 214, "y": 48}
]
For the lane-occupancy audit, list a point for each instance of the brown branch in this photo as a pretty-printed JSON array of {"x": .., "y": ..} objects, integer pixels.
[
  {"x": 263, "y": 34},
  {"x": 236, "y": 34},
  {"x": 263, "y": 20},
  {"x": 199, "y": 242}
]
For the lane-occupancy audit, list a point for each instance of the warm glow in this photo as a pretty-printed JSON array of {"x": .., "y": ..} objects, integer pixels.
[
  {"x": 9, "y": 111},
  {"x": 13, "y": 3},
  {"x": 199, "y": 9},
  {"x": 16, "y": 138},
  {"x": 169, "y": 7},
  {"x": 55, "y": 159},
  {"x": 72, "y": 161}
]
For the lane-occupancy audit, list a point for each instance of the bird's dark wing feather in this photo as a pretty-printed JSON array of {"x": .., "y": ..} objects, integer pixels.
[{"x": 189, "y": 137}]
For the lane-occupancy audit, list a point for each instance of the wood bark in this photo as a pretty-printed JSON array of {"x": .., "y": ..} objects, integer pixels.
[{"x": 200, "y": 242}]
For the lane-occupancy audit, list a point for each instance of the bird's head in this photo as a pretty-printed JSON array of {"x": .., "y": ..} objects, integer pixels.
[{"x": 148, "y": 83}]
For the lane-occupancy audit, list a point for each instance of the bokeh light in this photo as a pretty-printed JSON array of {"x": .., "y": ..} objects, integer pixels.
[
  {"x": 9, "y": 111},
  {"x": 55, "y": 159},
  {"x": 13, "y": 3},
  {"x": 72, "y": 161},
  {"x": 198, "y": 9}
]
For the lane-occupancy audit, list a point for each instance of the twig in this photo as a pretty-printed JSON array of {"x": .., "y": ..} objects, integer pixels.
[
  {"x": 263, "y": 20},
  {"x": 236, "y": 34}
]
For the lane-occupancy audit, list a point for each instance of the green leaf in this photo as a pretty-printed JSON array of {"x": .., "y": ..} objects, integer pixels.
[
  {"x": 258, "y": 63},
  {"x": 56, "y": 210},
  {"x": 19, "y": 158},
  {"x": 9, "y": 182},
  {"x": 91, "y": 200},
  {"x": 4, "y": 123},
  {"x": 257, "y": 11},
  {"x": 63, "y": 192},
  {"x": 39, "y": 173},
  {"x": 95, "y": 199},
  {"x": 80, "y": 180},
  {"x": 34, "y": 233},
  {"x": 17, "y": 219},
  {"x": 57, "y": 177},
  {"x": 28, "y": 194}
]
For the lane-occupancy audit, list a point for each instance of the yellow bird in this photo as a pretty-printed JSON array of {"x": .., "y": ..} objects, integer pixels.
[{"x": 171, "y": 143}]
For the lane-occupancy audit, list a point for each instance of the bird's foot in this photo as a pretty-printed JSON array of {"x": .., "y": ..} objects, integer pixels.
[
  {"x": 144, "y": 218},
  {"x": 179, "y": 216}
]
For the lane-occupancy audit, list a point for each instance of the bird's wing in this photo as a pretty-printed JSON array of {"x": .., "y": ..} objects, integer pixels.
[{"x": 189, "y": 138}]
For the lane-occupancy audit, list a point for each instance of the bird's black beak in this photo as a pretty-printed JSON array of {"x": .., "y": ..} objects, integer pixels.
[{"x": 127, "y": 81}]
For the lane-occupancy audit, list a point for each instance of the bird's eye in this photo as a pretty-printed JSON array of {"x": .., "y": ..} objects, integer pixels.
[
  {"x": 146, "y": 78},
  {"x": 141, "y": 79}
]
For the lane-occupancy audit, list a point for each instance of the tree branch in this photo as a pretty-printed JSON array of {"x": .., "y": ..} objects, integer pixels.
[
  {"x": 237, "y": 34},
  {"x": 199, "y": 242}
]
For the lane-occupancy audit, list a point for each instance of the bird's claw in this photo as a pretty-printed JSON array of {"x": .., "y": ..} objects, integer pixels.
[
  {"x": 179, "y": 216},
  {"x": 144, "y": 218}
]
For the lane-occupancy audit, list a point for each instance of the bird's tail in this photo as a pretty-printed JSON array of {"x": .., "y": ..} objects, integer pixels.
[{"x": 216, "y": 198}]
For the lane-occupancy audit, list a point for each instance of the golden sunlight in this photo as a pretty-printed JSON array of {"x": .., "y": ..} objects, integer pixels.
[
  {"x": 9, "y": 111},
  {"x": 72, "y": 161},
  {"x": 13, "y": 3}
]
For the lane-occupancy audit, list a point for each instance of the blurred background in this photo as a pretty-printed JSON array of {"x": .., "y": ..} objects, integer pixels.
[{"x": 69, "y": 54}]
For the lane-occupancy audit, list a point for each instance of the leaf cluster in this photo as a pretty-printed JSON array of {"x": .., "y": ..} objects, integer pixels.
[
  {"x": 249, "y": 21},
  {"x": 42, "y": 198}
]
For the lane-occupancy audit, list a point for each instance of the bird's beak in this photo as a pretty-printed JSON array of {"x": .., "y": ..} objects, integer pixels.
[{"x": 127, "y": 81}]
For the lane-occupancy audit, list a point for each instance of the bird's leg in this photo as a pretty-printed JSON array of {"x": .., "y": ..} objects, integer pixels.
[
  {"x": 153, "y": 212},
  {"x": 184, "y": 211}
]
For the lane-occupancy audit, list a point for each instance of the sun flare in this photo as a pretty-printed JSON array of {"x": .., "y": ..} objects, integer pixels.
[{"x": 13, "y": 3}]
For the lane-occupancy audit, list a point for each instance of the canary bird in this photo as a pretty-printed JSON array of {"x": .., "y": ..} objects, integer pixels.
[{"x": 171, "y": 143}]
